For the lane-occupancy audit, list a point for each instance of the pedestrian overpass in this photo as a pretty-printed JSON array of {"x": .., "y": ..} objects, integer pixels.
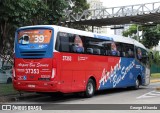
[{"x": 141, "y": 14}]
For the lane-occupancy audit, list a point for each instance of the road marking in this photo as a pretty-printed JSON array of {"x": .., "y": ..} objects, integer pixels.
[{"x": 150, "y": 94}]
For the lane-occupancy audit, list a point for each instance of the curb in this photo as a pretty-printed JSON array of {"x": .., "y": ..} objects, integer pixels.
[
  {"x": 154, "y": 80},
  {"x": 14, "y": 98}
]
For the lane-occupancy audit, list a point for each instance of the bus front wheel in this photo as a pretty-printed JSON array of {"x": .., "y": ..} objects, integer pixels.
[{"x": 90, "y": 88}]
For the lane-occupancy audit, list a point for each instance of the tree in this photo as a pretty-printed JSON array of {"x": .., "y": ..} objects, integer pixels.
[
  {"x": 13, "y": 13},
  {"x": 156, "y": 58},
  {"x": 150, "y": 38},
  {"x": 55, "y": 11},
  {"x": 131, "y": 32},
  {"x": 16, "y": 13},
  {"x": 78, "y": 8},
  {"x": 150, "y": 34}
]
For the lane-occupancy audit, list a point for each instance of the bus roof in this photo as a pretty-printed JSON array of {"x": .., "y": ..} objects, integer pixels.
[
  {"x": 84, "y": 33},
  {"x": 115, "y": 38},
  {"x": 118, "y": 38}
]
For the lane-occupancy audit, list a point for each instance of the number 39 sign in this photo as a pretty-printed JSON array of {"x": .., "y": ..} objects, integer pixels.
[
  {"x": 34, "y": 36},
  {"x": 38, "y": 38}
]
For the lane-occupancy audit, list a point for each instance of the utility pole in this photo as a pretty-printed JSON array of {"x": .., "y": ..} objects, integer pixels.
[{"x": 138, "y": 33}]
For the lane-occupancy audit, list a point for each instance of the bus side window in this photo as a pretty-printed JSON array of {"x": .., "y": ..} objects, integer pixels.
[
  {"x": 128, "y": 50},
  {"x": 107, "y": 53},
  {"x": 90, "y": 50},
  {"x": 113, "y": 49},
  {"x": 142, "y": 55},
  {"x": 119, "y": 49},
  {"x": 107, "y": 49},
  {"x": 78, "y": 44},
  {"x": 139, "y": 54},
  {"x": 130, "y": 53},
  {"x": 62, "y": 42},
  {"x": 94, "y": 46},
  {"x": 123, "y": 54},
  {"x": 97, "y": 51}
]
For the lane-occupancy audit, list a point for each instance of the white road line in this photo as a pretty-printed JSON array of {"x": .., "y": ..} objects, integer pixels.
[
  {"x": 158, "y": 92},
  {"x": 150, "y": 94}
]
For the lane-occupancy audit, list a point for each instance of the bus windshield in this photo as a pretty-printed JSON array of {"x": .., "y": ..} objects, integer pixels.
[{"x": 34, "y": 36}]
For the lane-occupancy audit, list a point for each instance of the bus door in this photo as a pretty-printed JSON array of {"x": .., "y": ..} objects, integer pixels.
[
  {"x": 142, "y": 56},
  {"x": 147, "y": 69}
]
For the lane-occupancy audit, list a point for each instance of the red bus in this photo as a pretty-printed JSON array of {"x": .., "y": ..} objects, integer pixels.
[{"x": 51, "y": 58}]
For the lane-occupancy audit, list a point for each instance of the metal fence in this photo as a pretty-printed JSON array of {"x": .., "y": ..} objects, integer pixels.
[{"x": 155, "y": 69}]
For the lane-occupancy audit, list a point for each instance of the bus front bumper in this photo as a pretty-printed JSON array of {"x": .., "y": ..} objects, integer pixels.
[{"x": 36, "y": 86}]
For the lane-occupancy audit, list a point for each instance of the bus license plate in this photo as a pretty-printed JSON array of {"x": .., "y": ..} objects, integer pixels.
[{"x": 31, "y": 86}]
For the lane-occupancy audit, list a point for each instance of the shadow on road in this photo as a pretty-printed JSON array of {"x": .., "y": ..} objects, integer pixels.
[{"x": 58, "y": 97}]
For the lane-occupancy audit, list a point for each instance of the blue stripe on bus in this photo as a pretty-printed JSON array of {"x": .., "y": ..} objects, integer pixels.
[
  {"x": 103, "y": 37},
  {"x": 123, "y": 74}
]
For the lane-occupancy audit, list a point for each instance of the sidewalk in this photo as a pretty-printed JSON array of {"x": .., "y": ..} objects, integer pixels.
[
  {"x": 17, "y": 97},
  {"x": 155, "y": 80}
]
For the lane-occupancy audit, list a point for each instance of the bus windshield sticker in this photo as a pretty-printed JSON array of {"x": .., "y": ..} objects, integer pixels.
[{"x": 34, "y": 36}]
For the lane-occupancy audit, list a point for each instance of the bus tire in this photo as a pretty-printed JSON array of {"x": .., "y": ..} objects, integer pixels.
[
  {"x": 137, "y": 84},
  {"x": 90, "y": 88},
  {"x": 9, "y": 80}
]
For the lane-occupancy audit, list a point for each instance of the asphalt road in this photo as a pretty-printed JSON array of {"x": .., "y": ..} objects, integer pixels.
[{"x": 145, "y": 95}]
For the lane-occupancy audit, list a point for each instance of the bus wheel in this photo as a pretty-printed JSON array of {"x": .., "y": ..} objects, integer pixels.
[
  {"x": 90, "y": 88},
  {"x": 137, "y": 84}
]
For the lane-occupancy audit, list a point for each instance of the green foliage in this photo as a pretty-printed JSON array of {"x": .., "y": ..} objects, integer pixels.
[
  {"x": 155, "y": 75},
  {"x": 80, "y": 6},
  {"x": 150, "y": 34},
  {"x": 55, "y": 11},
  {"x": 150, "y": 38},
  {"x": 156, "y": 58},
  {"x": 131, "y": 31},
  {"x": 13, "y": 14}
]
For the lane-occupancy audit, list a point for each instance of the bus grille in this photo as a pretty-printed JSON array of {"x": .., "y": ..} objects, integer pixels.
[{"x": 33, "y": 53}]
